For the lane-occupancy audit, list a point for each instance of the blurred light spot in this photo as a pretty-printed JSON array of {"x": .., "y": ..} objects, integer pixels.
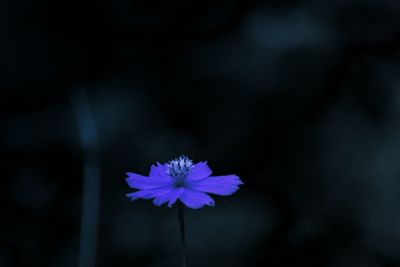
[{"x": 295, "y": 29}]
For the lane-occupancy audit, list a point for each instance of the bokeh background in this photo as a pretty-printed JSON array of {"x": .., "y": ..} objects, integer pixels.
[{"x": 301, "y": 99}]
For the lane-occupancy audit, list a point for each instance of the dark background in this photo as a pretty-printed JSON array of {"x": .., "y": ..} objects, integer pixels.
[{"x": 301, "y": 99}]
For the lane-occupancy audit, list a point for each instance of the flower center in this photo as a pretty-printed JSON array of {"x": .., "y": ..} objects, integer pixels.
[{"x": 179, "y": 169}]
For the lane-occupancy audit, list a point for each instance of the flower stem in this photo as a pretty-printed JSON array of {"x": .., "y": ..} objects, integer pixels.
[
  {"x": 91, "y": 177},
  {"x": 181, "y": 219}
]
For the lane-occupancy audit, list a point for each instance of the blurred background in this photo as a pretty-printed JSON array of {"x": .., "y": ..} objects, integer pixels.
[{"x": 301, "y": 99}]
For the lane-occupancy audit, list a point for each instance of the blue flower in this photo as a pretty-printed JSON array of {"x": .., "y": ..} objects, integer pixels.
[{"x": 183, "y": 180}]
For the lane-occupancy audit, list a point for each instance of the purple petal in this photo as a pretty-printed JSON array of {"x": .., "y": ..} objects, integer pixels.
[
  {"x": 170, "y": 197},
  {"x": 159, "y": 170},
  {"x": 194, "y": 199},
  {"x": 175, "y": 197},
  {"x": 220, "y": 185},
  {"x": 199, "y": 171},
  {"x": 149, "y": 193},
  {"x": 138, "y": 181}
]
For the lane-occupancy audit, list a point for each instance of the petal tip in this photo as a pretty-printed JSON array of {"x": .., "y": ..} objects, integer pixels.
[
  {"x": 131, "y": 198},
  {"x": 157, "y": 203}
]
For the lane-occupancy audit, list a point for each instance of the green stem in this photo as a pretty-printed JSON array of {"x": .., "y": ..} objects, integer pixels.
[{"x": 181, "y": 219}]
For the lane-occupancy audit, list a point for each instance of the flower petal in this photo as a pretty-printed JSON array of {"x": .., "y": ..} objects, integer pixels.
[
  {"x": 194, "y": 199},
  {"x": 159, "y": 170},
  {"x": 220, "y": 185},
  {"x": 149, "y": 193},
  {"x": 170, "y": 197},
  {"x": 175, "y": 197},
  {"x": 138, "y": 181},
  {"x": 199, "y": 171}
]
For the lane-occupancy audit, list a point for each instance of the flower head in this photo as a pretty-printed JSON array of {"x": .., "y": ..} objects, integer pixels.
[{"x": 181, "y": 179}]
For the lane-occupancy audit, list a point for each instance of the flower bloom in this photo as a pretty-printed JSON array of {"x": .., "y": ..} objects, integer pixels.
[{"x": 183, "y": 180}]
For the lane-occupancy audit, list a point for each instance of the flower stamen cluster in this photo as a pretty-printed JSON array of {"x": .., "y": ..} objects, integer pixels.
[{"x": 179, "y": 167}]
